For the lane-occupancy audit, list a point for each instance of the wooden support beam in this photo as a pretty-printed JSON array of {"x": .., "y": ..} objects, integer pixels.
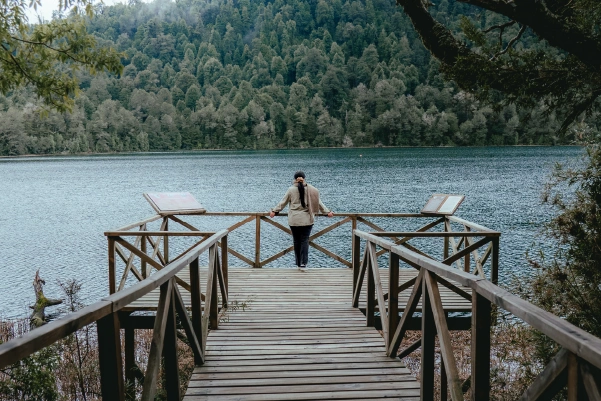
[
  {"x": 112, "y": 266},
  {"x": 393, "y": 297},
  {"x": 109, "y": 354},
  {"x": 444, "y": 338},
  {"x": 276, "y": 224},
  {"x": 480, "y": 347},
  {"x": 572, "y": 377},
  {"x": 412, "y": 347},
  {"x": 370, "y": 308},
  {"x": 130, "y": 363},
  {"x": 407, "y": 315},
  {"x": 375, "y": 272},
  {"x": 196, "y": 303},
  {"x": 331, "y": 254},
  {"x": 224, "y": 263},
  {"x": 241, "y": 257},
  {"x": 406, "y": 285},
  {"x": 360, "y": 278},
  {"x": 257, "y": 242},
  {"x": 166, "y": 241},
  {"x": 590, "y": 385},
  {"x": 158, "y": 340},
  {"x": 188, "y": 327},
  {"x": 428, "y": 338},
  {"x": 466, "y": 251},
  {"x": 171, "y": 370},
  {"x": 552, "y": 379}
]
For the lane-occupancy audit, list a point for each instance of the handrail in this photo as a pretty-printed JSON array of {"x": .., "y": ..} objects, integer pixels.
[
  {"x": 460, "y": 247},
  {"x": 574, "y": 341},
  {"x": 104, "y": 312}
]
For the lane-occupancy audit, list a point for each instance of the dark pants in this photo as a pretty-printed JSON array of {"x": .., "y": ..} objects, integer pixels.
[{"x": 300, "y": 235}]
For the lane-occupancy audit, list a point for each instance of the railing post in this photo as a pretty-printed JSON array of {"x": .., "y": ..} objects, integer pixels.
[
  {"x": 466, "y": 263},
  {"x": 356, "y": 254},
  {"x": 170, "y": 353},
  {"x": 480, "y": 358},
  {"x": 130, "y": 355},
  {"x": 214, "y": 310},
  {"x": 224, "y": 265},
  {"x": 445, "y": 251},
  {"x": 196, "y": 303},
  {"x": 166, "y": 241},
  {"x": 371, "y": 288},
  {"x": 112, "y": 266},
  {"x": 143, "y": 244},
  {"x": 393, "y": 297},
  {"x": 257, "y": 241},
  {"x": 573, "y": 378},
  {"x": 428, "y": 336},
  {"x": 494, "y": 270},
  {"x": 109, "y": 355}
]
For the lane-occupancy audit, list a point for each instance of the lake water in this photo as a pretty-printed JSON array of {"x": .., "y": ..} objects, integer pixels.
[{"x": 56, "y": 209}]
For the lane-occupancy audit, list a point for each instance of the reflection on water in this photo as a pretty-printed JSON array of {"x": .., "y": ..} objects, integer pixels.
[{"x": 56, "y": 209}]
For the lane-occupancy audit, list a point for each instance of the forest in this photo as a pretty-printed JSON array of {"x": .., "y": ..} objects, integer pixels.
[{"x": 269, "y": 74}]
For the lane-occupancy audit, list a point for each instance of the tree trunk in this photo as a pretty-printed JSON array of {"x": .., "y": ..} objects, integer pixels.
[{"x": 38, "y": 316}]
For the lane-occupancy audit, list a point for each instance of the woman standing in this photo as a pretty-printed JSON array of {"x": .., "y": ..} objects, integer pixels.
[{"x": 304, "y": 204}]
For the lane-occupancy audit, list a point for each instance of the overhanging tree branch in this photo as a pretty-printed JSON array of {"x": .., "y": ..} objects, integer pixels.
[{"x": 558, "y": 31}]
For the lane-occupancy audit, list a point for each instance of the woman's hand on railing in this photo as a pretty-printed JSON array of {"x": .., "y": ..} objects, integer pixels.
[
  {"x": 272, "y": 214},
  {"x": 331, "y": 214}
]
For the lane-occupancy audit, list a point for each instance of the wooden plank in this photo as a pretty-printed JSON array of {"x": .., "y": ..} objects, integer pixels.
[{"x": 399, "y": 394}]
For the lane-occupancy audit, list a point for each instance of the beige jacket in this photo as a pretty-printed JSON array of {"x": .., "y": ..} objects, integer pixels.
[{"x": 299, "y": 215}]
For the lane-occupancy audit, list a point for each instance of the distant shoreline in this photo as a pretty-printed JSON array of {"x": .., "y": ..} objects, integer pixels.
[{"x": 33, "y": 156}]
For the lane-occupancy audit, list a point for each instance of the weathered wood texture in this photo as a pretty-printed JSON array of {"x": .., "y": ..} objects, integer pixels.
[
  {"x": 241, "y": 290},
  {"x": 298, "y": 339}
]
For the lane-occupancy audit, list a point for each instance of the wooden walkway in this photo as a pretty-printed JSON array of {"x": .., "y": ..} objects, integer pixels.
[
  {"x": 320, "y": 288},
  {"x": 300, "y": 340}
]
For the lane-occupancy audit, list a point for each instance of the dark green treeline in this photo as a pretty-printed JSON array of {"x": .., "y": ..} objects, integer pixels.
[{"x": 267, "y": 74}]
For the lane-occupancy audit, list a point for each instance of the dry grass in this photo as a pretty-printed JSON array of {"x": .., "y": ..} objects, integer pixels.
[
  {"x": 512, "y": 366},
  {"x": 77, "y": 375}
]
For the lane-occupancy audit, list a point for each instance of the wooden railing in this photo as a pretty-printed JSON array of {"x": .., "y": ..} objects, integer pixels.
[
  {"x": 163, "y": 347},
  {"x": 469, "y": 248},
  {"x": 575, "y": 366}
]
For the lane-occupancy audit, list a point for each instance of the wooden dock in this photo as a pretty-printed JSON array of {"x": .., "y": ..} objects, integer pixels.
[
  {"x": 300, "y": 339},
  {"x": 312, "y": 335}
]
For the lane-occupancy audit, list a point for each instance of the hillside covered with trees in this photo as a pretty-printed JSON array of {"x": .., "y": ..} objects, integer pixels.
[{"x": 262, "y": 74}]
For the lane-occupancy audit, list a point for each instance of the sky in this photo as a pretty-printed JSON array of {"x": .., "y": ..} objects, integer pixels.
[{"x": 48, "y": 6}]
